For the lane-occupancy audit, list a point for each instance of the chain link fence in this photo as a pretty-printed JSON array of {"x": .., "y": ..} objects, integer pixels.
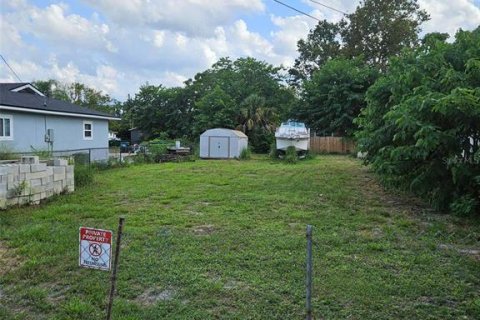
[{"x": 80, "y": 156}]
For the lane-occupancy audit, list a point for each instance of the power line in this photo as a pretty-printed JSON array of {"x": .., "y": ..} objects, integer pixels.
[
  {"x": 16, "y": 75},
  {"x": 331, "y": 8},
  {"x": 304, "y": 13}
]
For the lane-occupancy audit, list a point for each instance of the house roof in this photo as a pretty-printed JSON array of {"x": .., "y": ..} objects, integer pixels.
[{"x": 29, "y": 99}]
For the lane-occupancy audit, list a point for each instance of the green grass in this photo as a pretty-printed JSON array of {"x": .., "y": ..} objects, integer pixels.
[{"x": 226, "y": 239}]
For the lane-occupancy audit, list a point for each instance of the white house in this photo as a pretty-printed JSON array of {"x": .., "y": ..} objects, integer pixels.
[
  {"x": 29, "y": 119},
  {"x": 222, "y": 143}
]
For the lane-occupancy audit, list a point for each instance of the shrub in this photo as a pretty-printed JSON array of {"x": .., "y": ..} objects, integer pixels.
[
  {"x": 273, "y": 154},
  {"x": 84, "y": 175},
  {"x": 7, "y": 153},
  {"x": 245, "y": 154},
  {"x": 421, "y": 126},
  {"x": 291, "y": 155},
  {"x": 42, "y": 153}
]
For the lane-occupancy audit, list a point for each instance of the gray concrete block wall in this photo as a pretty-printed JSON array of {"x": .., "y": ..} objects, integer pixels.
[{"x": 29, "y": 181}]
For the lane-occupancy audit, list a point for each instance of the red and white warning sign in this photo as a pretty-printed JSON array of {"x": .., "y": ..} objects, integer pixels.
[{"x": 95, "y": 248}]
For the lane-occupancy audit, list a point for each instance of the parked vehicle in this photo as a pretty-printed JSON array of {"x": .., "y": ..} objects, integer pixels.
[{"x": 293, "y": 133}]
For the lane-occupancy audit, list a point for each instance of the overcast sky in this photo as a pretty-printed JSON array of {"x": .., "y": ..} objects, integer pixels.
[{"x": 117, "y": 45}]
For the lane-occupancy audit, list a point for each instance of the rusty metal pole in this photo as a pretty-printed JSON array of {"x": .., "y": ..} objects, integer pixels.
[
  {"x": 115, "y": 266},
  {"x": 309, "y": 273}
]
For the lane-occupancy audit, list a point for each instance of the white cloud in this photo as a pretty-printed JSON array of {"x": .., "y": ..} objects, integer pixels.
[
  {"x": 450, "y": 16},
  {"x": 193, "y": 17},
  {"x": 121, "y": 44},
  {"x": 54, "y": 25}
]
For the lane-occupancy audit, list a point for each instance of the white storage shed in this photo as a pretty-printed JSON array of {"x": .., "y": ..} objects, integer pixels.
[{"x": 222, "y": 143}]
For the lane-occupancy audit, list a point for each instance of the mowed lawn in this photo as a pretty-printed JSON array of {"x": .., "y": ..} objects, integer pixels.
[{"x": 226, "y": 240}]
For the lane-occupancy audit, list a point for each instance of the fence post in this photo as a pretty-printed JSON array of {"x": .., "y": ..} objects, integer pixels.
[
  {"x": 115, "y": 265},
  {"x": 309, "y": 273},
  {"x": 89, "y": 156}
]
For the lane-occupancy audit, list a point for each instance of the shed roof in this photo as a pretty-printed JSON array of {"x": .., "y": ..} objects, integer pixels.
[
  {"x": 35, "y": 103},
  {"x": 224, "y": 133}
]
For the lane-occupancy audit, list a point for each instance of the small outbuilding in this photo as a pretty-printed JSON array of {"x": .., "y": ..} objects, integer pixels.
[{"x": 222, "y": 143}]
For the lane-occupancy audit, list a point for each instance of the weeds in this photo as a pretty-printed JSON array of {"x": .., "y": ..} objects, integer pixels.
[
  {"x": 245, "y": 154},
  {"x": 291, "y": 155}
]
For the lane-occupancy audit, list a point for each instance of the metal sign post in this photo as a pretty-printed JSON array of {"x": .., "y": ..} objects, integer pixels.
[
  {"x": 115, "y": 266},
  {"x": 309, "y": 273}
]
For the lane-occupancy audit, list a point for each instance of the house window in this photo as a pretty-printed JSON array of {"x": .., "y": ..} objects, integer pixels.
[
  {"x": 6, "y": 127},
  {"x": 87, "y": 130}
]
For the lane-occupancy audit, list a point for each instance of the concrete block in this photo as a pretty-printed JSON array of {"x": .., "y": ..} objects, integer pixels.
[
  {"x": 57, "y": 187},
  {"x": 37, "y": 189},
  {"x": 36, "y": 197},
  {"x": 30, "y": 159},
  {"x": 3, "y": 186},
  {"x": 4, "y": 170},
  {"x": 38, "y": 167},
  {"x": 70, "y": 188},
  {"x": 12, "y": 201},
  {"x": 36, "y": 182},
  {"x": 24, "y": 200},
  {"x": 58, "y": 177},
  {"x": 69, "y": 176},
  {"x": 3, "y": 203},
  {"x": 23, "y": 168},
  {"x": 35, "y": 175},
  {"x": 60, "y": 162},
  {"x": 14, "y": 169},
  {"x": 59, "y": 170},
  {"x": 49, "y": 171},
  {"x": 70, "y": 169},
  {"x": 43, "y": 195}
]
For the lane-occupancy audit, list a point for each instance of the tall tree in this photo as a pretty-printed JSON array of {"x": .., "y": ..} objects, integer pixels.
[
  {"x": 322, "y": 44},
  {"x": 257, "y": 121},
  {"x": 377, "y": 30},
  {"x": 77, "y": 93},
  {"x": 215, "y": 109},
  {"x": 334, "y": 96},
  {"x": 158, "y": 110}
]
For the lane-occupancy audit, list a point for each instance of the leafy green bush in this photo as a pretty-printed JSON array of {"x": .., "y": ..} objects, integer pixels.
[
  {"x": 81, "y": 158},
  {"x": 421, "y": 127},
  {"x": 245, "y": 154},
  {"x": 84, "y": 175},
  {"x": 291, "y": 155}
]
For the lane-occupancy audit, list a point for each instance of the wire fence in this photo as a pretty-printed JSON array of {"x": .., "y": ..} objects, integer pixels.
[{"x": 80, "y": 156}]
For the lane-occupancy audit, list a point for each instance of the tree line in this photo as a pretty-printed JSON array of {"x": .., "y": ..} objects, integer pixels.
[{"x": 411, "y": 103}]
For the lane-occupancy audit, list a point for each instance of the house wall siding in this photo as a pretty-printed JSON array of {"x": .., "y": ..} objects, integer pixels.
[{"x": 29, "y": 131}]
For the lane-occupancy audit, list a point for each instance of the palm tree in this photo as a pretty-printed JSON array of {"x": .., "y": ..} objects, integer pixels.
[{"x": 255, "y": 115}]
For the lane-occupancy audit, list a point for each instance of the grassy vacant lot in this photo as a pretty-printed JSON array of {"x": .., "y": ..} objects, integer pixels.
[{"x": 226, "y": 240}]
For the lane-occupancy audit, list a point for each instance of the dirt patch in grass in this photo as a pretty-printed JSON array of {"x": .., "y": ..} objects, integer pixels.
[
  {"x": 204, "y": 229},
  {"x": 370, "y": 234},
  {"x": 373, "y": 190},
  {"x": 152, "y": 296},
  {"x": 9, "y": 261},
  {"x": 473, "y": 253},
  {"x": 56, "y": 292}
]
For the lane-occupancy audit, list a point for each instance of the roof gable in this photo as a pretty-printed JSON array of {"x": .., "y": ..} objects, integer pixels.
[{"x": 27, "y": 88}]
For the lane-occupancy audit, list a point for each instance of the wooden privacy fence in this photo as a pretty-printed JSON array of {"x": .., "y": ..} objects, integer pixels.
[{"x": 331, "y": 145}]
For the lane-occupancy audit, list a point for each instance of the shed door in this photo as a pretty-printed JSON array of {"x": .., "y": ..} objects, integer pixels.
[{"x": 219, "y": 147}]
